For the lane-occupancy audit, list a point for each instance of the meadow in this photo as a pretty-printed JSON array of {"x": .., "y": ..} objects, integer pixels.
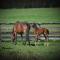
[
  {"x": 10, "y": 51},
  {"x": 41, "y": 15}
]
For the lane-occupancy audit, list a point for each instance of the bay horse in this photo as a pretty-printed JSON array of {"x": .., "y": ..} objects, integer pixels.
[
  {"x": 39, "y": 31},
  {"x": 21, "y": 28}
]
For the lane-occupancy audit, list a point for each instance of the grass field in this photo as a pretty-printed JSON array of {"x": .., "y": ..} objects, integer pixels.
[
  {"x": 9, "y": 51},
  {"x": 31, "y": 15}
]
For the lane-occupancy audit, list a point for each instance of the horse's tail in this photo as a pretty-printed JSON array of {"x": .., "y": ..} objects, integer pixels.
[{"x": 47, "y": 31}]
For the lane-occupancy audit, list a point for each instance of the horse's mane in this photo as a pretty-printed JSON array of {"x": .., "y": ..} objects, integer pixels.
[{"x": 35, "y": 25}]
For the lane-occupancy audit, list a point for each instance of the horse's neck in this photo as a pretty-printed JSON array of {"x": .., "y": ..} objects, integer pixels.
[{"x": 36, "y": 28}]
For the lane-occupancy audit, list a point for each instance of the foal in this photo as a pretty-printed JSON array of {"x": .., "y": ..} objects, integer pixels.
[
  {"x": 38, "y": 31},
  {"x": 20, "y": 28}
]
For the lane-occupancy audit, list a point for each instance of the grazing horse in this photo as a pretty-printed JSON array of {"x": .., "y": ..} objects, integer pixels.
[
  {"x": 20, "y": 28},
  {"x": 38, "y": 31}
]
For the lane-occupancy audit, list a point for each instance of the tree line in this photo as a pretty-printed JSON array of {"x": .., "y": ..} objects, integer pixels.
[{"x": 29, "y": 3}]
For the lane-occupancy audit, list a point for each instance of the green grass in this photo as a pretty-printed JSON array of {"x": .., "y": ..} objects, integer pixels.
[
  {"x": 9, "y": 51},
  {"x": 25, "y": 52},
  {"x": 31, "y": 15}
]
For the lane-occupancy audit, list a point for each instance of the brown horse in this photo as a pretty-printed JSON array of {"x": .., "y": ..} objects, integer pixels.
[
  {"x": 38, "y": 31},
  {"x": 20, "y": 28}
]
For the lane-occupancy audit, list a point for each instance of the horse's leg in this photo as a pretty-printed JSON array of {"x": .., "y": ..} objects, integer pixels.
[
  {"x": 14, "y": 37},
  {"x": 22, "y": 38},
  {"x": 36, "y": 37},
  {"x": 27, "y": 37},
  {"x": 46, "y": 39}
]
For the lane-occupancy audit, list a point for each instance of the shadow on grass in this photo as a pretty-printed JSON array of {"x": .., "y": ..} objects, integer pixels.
[
  {"x": 6, "y": 48},
  {"x": 15, "y": 56},
  {"x": 37, "y": 44}
]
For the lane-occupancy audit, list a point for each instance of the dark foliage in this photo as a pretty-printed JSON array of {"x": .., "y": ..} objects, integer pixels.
[{"x": 29, "y": 3}]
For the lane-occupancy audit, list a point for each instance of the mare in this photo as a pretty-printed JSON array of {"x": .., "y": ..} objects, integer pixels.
[{"x": 21, "y": 28}]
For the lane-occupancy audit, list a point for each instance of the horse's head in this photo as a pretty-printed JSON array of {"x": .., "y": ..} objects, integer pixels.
[
  {"x": 34, "y": 25},
  {"x": 28, "y": 25}
]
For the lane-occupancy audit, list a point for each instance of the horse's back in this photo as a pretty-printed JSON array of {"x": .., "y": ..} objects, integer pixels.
[
  {"x": 39, "y": 31},
  {"x": 20, "y": 27},
  {"x": 42, "y": 31}
]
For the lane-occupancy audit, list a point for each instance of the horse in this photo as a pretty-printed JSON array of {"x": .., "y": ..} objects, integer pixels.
[
  {"x": 38, "y": 31},
  {"x": 21, "y": 28}
]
